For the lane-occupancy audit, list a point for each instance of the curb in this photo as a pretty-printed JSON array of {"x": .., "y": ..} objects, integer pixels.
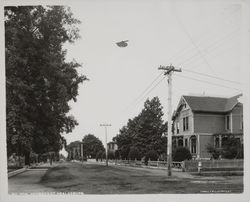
[
  {"x": 21, "y": 170},
  {"x": 218, "y": 173},
  {"x": 16, "y": 172}
]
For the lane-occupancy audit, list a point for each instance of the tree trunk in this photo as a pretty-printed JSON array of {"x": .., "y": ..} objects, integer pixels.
[{"x": 27, "y": 158}]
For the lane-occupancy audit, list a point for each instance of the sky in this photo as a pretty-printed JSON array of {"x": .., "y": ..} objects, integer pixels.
[{"x": 204, "y": 37}]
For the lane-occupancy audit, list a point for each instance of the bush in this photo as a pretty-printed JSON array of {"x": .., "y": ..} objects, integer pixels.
[
  {"x": 134, "y": 154},
  {"x": 215, "y": 152},
  {"x": 181, "y": 154},
  {"x": 231, "y": 149}
]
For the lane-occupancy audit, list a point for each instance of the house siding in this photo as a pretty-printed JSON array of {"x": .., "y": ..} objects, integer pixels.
[
  {"x": 184, "y": 113},
  {"x": 205, "y": 125},
  {"x": 205, "y": 140},
  {"x": 237, "y": 116},
  {"x": 208, "y": 123}
]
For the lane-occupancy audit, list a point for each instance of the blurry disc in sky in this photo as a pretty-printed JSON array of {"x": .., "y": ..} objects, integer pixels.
[{"x": 122, "y": 43}]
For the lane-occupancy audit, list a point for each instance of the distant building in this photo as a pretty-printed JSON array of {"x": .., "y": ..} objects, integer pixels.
[
  {"x": 112, "y": 147},
  {"x": 74, "y": 150},
  {"x": 202, "y": 120}
]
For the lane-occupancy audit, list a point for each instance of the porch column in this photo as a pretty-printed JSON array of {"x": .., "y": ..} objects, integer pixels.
[
  {"x": 220, "y": 141},
  {"x": 231, "y": 122},
  {"x": 198, "y": 146}
]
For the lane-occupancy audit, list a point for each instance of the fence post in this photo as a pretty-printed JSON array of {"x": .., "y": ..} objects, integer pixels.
[
  {"x": 199, "y": 166},
  {"x": 183, "y": 166}
]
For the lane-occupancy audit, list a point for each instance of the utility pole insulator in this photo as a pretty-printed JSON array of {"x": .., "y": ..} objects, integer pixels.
[{"x": 168, "y": 70}]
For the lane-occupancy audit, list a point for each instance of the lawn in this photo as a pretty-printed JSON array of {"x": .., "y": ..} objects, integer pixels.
[{"x": 98, "y": 179}]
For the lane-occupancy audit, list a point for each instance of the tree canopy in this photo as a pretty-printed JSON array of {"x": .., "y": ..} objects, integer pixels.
[
  {"x": 39, "y": 82},
  {"x": 144, "y": 132},
  {"x": 92, "y": 145}
]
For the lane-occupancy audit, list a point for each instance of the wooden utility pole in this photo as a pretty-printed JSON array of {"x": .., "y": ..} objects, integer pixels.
[
  {"x": 169, "y": 71},
  {"x": 106, "y": 144}
]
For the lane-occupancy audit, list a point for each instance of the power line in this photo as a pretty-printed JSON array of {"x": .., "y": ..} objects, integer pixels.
[
  {"x": 203, "y": 81},
  {"x": 215, "y": 77},
  {"x": 145, "y": 90},
  {"x": 194, "y": 44},
  {"x": 150, "y": 85},
  {"x": 210, "y": 47},
  {"x": 192, "y": 41},
  {"x": 174, "y": 56},
  {"x": 205, "y": 33},
  {"x": 221, "y": 52},
  {"x": 153, "y": 88},
  {"x": 142, "y": 98}
]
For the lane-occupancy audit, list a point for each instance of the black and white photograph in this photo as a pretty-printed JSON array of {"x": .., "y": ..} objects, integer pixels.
[{"x": 139, "y": 98}]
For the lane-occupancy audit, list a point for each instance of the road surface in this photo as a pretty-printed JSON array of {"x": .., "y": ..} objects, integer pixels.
[{"x": 90, "y": 178}]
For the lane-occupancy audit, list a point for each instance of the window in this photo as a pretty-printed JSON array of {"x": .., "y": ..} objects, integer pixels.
[
  {"x": 177, "y": 127},
  {"x": 241, "y": 124},
  {"x": 217, "y": 142},
  {"x": 227, "y": 122},
  {"x": 185, "y": 123},
  {"x": 186, "y": 142},
  {"x": 180, "y": 143}
]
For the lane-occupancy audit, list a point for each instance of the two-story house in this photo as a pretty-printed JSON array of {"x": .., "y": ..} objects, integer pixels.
[
  {"x": 112, "y": 147},
  {"x": 201, "y": 120},
  {"x": 74, "y": 150}
]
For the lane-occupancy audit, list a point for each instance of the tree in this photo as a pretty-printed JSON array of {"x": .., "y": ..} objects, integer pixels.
[
  {"x": 124, "y": 141},
  {"x": 92, "y": 145},
  {"x": 149, "y": 129},
  {"x": 152, "y": 155},
  {"x": 39, "y": 83},
  {"x": 134, "y": 154},
  {"x": 144, "y": 131}
]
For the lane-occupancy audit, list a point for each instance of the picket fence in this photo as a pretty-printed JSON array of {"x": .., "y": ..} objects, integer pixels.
[{"x": 188, "y": 165}]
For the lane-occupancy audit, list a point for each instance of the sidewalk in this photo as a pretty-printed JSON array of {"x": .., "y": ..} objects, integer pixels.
[
  {"x": 34, "y": 166},
  {"x": 177, "y": 174},
  {"x": 28, "y": 182}
]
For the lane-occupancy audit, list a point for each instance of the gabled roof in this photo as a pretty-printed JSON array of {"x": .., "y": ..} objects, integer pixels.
[{"x": 211, "y": 104}]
